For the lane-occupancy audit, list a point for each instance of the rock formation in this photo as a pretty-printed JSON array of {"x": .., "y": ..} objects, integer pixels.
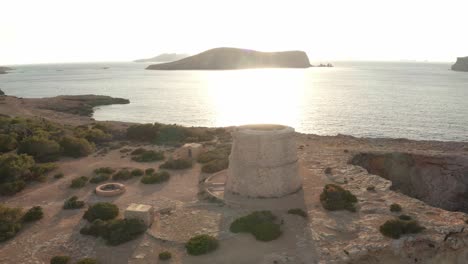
[
  {"x": 164, "y": 57},
  {"x": 461, "y": 64},
  {"x": 233, "y": 58},
  {"x": 263, "y": 162},
  {"x": 4, "y": 70}
]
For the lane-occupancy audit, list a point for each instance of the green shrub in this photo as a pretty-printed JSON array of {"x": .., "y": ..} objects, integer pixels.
[
  {"x": 260, "y": 224},
  {"x": 73, "y": 203},
  {"x": 122, "y": 175},
  {"x": 334, "y": 197},
  {"x": 60, "y": 260},
  {"x": 149, "y": 156},
  {"x": 10, "y": 222},
  {"x": 33, "y": 214},
  {"x": 137, "y": 172},
  {"x": 371, "y": 188},
  {"x": 97, "y": 228},
  {"x": 215, "y": 166},
  {"x": 102, "y": 210},
  {"x": 144, "y": 132},
  {"x": 177, "y": 164},
  {"x": 138, "y": 151},
  {"x": 405, "y": 217},
  {"x": 159, "y": 177},
  {"x": 149, "y": 171},
  {"x": 395, "y": 228},
  {"x": 59, "y": 175},
  {"x": 99, "y": 178},
  {"x": 395, "y": 207},
  {"x": 122, "y": 230},
  {"x": 104, "y": 170},
  {"x": 87, "y": 261},
  {"x": 15, "y": 169},
  {"x": 39, "y": 170},
  {"x": 165, "y": 255},
  {"x": 201, "y": 244},
  {"x": 11, "y": 188},
  {"x": 76, "y": 147},
  {"x": 298, "y": 211},
  {"x": 7, "y": 143},
  {"x": 42, "y": 149},
  {"x": 94, "y": 135},
  {"x": 221, "y": 152},
  {"x": 79, "y": 182}
]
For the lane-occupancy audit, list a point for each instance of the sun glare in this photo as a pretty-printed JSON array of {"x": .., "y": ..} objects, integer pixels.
[{"x": 256, "y": 96}]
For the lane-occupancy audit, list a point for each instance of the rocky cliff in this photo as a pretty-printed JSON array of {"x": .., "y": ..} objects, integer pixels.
[
  {"x": 461, "y": 64},
  {"x": 233, "y": 58}
]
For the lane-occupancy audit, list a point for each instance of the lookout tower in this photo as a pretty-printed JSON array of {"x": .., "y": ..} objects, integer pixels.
[{"x": 263, "y": 162}]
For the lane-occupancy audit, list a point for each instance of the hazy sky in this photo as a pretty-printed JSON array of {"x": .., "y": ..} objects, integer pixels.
[{"x": 33, "y": 31}]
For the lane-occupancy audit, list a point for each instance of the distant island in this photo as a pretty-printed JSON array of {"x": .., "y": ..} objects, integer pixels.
[
  {"x": 461, "y": 64},
  {"x": 164, "y": 57},
  {"x": 234, "y": 58},
  {"x": 4, "y": 70}
]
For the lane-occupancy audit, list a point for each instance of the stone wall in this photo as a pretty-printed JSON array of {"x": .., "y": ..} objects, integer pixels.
[{"x": 263, "y": 162}]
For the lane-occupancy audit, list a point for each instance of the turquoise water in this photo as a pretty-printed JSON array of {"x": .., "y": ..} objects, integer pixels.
[{"x": 368, "y": 99}]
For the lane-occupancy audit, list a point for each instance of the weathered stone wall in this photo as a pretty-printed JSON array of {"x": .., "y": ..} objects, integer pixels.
[{"x": 263, "y": 162}]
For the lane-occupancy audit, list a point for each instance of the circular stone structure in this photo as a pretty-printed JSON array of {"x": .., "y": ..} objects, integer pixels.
[
  {"x": 110, "y": 189},
  {"x": 263, "y": 162}
]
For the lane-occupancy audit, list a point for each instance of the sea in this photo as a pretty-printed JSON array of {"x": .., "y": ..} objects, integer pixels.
[{"x": 414, "y": 100}]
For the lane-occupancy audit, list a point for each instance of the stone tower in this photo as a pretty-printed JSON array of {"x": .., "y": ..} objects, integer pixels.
[{"x": 263, "y": 162}]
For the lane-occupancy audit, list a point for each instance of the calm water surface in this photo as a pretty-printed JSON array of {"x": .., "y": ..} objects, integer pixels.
[{"x": 371, "y": 99}]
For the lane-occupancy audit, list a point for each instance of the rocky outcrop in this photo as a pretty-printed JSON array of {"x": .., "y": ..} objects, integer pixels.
[
  {"x": 4, "y": 70},
  {"x": 78, "y": 104},
  {"x": 440, "y": 181},
  {"x": 165, "y": 57},
  {"x": 461, "y": 64},
  {"x": 233, "y": 58}
]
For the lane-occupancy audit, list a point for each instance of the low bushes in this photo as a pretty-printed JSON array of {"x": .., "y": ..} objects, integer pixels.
[
  {"x": 87, "y": 261},
  {"x": 149, "y": 171},
  {"x": 116, "y": 231},
  {"x": 261, "y": 224},
  {"x": 79, "y": 182},
  {"x": 168, "y": 134},
  {"x": 60, "y": 260},
  {"x": 159, "y": 177},
  {"x": 59, "y": 175},
  {"x": 15, "y": 170},
  {"x": 215, "y": 160},
  {"x": 165, "y": 255},
  {"x": 395, "y": 228},
  {"x": 104, "y": 170},
  {"x": 176, "y": 164},
  {"x": 102, "y": 211},
  {"x": 33, "y": 214},
  {"x": 41, "y": 148},
  {"x": 334, "y": 197},
  {"x": 10, "y": 222},
  {"x": 149, "y": 156},
  {"x": 215, "y": 165},
  {"x": 201, "y": 244},
  {"x": 395, "y": 207},
  {"x": 73, "y": 203},
  {"x": 99, "y": 178},
  {"x": 137, "y": 172},
  {"x": 298, "y": 211},
  {"x": 76, "y": 147},
  {"x": 8, "y": 142},
  {"x": 122, "y": 175}
]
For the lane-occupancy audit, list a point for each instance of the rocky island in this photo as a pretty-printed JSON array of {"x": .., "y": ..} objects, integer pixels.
[
  {"x": 461, "y": 64},
  {"x": 164, "y": 57},
  {"x": 4, "y": 70},
  {"x": 234, "y": 58}
]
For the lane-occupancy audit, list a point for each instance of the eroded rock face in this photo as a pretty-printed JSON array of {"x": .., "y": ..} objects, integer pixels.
[
  {"x": 263, "y": 162},
  {"x": 233, "y": 58},
  {"x": 439, "y": 181},
  {"x": 461, "y": 64}
]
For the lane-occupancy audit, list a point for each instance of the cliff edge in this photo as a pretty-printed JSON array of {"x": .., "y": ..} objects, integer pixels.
[
  {"x": 461, "y": 64},
  {"x": 233, "y": 58}
]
